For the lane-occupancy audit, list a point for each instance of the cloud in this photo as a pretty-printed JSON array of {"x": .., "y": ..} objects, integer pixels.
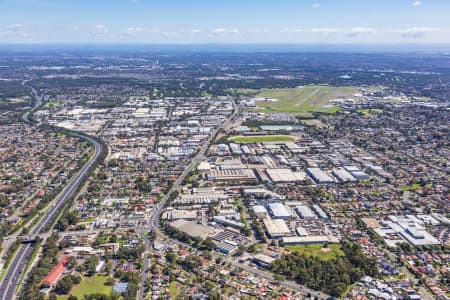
[
  {"x": 135, "y": 30},
  {"x": 316, "y": 5},
  {"x": 416, "y": 32},
  {"x": 326, "y": 31},
  {"x": 100, "y": 30},
  {"x": 15, "y": 31},
  {"x": 224, "y": 31},
  {"x": 359, "y": 31},
  {"x": 417, "y": 3},
  {"x": 292, "y": 31}
]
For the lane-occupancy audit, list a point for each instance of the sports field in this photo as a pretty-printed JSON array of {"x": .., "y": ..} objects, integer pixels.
[
  {"x": 306, "y": 99},
  {"x": 260, "y": 139}
]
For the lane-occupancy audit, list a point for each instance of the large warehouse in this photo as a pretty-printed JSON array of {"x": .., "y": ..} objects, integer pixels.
[
  {"x": 276, "y": 228},
  {"x": 319, "y": 176},
  {"x": 279, "y": 211}
]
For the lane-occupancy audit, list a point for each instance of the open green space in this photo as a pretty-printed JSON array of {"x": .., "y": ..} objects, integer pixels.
[
  {"x": 52, "y": 103},
  {"x": 412, "y": 187},
  {"x": 303, "y": 99},
  {"x": 260, "y": 139},
  {"x": 90, "y": 285},
  {"x": 320, "y": 251},
  {"x": 174, "y": 288},
  {"x": 369, "y": 112}
]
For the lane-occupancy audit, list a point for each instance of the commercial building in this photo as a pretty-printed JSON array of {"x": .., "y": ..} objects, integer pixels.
[
  {"x": 54, "y": 274},
  {"x": 263, "y": 260}
]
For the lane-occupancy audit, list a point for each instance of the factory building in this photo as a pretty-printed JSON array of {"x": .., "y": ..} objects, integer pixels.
[
  {"x": 279, "y": 211},
  {"x": 276, "y": 228},
  {"x": 305, "y": 212},
  {"x": 319, "y": 176}
]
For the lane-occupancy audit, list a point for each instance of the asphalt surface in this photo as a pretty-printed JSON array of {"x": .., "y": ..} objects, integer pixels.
[{"x": 20, "y": 260}]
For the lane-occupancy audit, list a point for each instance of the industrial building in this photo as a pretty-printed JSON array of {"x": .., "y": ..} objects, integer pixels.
[
  {"x": 223, "y": 220},
  {"x": 276, "y": 228},
  {"x": 279, "y": 211},
  {"x": 260, "y": 211},
  {"x": 310, "y": 239},
  {"x": 398, "y": 229},
  {"x": 285, "y": 175},
  {"x": 319, "y": 211},
  {"x": 343, "y": 175},
  {"x": 231, "y": 175},
  {"x": 305, "y": 212},
  {"x": 319, "y": 176}
]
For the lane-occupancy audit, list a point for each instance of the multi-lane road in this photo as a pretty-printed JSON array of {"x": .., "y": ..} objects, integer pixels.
[
  {"x": 17, "y": 266},
  {"x": 19, "y": 262}
]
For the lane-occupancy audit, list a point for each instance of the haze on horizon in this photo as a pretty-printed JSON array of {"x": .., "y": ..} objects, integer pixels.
[{"x": 231, "y": 21}]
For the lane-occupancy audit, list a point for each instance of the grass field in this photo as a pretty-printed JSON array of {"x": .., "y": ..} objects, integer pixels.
[
  {"x": 333, "y": 250},
  {"x": 260, "y": 139},
  {"x": 52, "y": 103},
  {"x": 174, "y": 289},
  {"x": 412, "y": 187},
  {"x": 90, "y": 285},
  {"x": 304, "y": 99},
  {"x": 369, "y": 112}
]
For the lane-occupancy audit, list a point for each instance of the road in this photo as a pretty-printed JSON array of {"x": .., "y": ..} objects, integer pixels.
[
  {"x": 154, "y": 222},
  {"x": 258, "y": 272},
  {"x": 154, "y": 218},
  {"x": 20, "y": 260}
]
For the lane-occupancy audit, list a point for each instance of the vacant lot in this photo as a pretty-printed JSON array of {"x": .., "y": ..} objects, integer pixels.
[
  {"x": 260, "y": 139},
  {"x": 304, "y": 99},
  {"x": 90, "y": 285},
  {"x": 324, "y": 253}
]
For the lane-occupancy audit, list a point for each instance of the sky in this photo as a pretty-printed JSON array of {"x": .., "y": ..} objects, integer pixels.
[{"x": 225, "y": 21}]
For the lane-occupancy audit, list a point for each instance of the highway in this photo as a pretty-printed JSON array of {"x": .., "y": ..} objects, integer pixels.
[{"x": 19, "y": 262}]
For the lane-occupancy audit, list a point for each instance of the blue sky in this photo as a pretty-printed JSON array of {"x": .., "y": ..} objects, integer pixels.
[{"x": 224, "y": 21}]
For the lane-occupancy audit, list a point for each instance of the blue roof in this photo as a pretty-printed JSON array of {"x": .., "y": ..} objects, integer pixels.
[{"x": 120, "y": 287}]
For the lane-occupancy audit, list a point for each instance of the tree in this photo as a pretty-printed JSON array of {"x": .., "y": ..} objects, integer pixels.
[
  {"x": 52, "y": 296},
  {"x": 92, "y": 263},
  {"x": 208, "y": 244},
  {"x": 64, "y": 285},
  {"x": 171, "y": 256}
]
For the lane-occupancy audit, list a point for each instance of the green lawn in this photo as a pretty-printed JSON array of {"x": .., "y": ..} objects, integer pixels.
[
  {"x": 174, "y": 288},
  {"x": 90, "y": 285},
  {"x": 414, "y": 186},
  {"x": 52, "y": 103},
  {"x": 333, "y": 250},
  {"x": 260, "y": 139},
  {"x": 369, "y": 112},
  {"x": 304, "y": 99}
]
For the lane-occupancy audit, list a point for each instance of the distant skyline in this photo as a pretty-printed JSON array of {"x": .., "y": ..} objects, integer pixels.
[{"x": 224, "y": 21}]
